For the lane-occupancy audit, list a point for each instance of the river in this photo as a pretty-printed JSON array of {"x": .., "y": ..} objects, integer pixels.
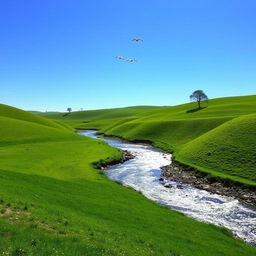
[{"x": 143, "y": 172}]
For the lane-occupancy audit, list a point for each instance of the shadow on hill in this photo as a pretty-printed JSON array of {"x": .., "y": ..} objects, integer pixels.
[
  {"x": 195, "y": 110},
  {"x": 66, "y": 114}
]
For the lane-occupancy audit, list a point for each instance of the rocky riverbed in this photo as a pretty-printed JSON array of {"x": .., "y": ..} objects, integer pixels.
[{"x": 174, "y": 173}]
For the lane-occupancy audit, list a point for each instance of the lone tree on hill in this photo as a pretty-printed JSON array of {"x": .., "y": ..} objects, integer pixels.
[
  {"x": 69, "y": 110},
  {"x": 198, "y": 96}
]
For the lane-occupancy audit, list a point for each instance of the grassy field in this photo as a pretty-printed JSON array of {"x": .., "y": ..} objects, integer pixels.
[
  {"x": 206, "y": 139},
  {"x": 54, "y": 202},
  {"x": 82, "y": 117}
]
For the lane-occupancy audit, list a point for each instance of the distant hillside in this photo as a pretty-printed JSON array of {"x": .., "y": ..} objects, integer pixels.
[
  {"x": 74, "y": 118},
  {"x": 43, "y": 113},
  {"x": 177, "y": 125}
]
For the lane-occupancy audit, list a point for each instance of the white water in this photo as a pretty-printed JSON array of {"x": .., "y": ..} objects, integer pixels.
[{"x": 143, "y": 172}]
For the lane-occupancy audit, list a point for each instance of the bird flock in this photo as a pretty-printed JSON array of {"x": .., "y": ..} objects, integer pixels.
[{"x": 137, "y": 40}]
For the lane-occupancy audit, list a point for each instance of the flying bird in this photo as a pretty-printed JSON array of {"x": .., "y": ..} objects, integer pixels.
[
  {"x": 137, "y": 39},
  {"x": 131, "y": 60},
  {"x": 120, "y": 57}
]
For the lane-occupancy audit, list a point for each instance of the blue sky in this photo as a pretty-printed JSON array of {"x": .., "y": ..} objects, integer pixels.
[{"x": 56, "y": 54}]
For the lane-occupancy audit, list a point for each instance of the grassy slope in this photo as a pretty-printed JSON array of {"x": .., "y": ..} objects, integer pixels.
[
  {"x": 80, "y": 117},
  {"x": 39, "y": 113},
  {"x": 15, "y": 131},
  {"x": 11, "y": 112},
  {"x": 173, "y": 127},
  {"x": 229, "y": 148},
  {"x": 53, "y": 202}
]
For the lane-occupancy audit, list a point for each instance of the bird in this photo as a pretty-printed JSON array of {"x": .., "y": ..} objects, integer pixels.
[
  {"x": 120, "y": 57},
  {"x": 131, "y": 60},
  {"x": 137, "y": 40}
]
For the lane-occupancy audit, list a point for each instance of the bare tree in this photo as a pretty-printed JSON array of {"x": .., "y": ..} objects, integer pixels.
[
  {"x": 69, "y": 110},
  {"x": 198, "y": 96}
]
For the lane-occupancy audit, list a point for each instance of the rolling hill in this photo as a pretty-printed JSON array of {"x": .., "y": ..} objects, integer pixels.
[
  {"x": 80, "y": 117},
  {"x": 230, "y": 148},
  {"x": 18, "y": 114}
]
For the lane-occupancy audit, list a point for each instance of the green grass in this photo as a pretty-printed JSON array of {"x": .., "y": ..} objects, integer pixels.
[
  {"x": 11, "y": 112},
  {"x": 100, "y": 217},
  {"x": 54, "y": 202},
  {"x": 43, "y": 113},
  {"x": 179, "y": 129},
  {"x": 80, "y": 117},
  {"x": 229, "y": 148},
  {"x": 14, "y": 131}
]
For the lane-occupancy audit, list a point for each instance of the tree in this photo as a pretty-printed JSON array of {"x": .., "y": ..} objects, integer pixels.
[
  {"x": 198, "y": 96},
  {"x": 69, "y": 110}
]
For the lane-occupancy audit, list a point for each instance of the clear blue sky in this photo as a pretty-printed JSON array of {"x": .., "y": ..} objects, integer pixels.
[{"x": 56, "y": 54}]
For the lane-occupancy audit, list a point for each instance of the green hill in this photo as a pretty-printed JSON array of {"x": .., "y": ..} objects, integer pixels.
[
  {"x": 15, "y": 131},
  {"x": 171, "y": 128},
  {"x": 230, "y": 148},
  {"x": 80, "y": 117},
  {"x": 54, "y": 202},
  {"x": 215, "y": 108},
  {"x": 15, "y": 113},
  {"x": 40, "y": 113}
]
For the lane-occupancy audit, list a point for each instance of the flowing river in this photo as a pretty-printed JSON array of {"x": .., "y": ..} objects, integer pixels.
[{"x": 143, "y": 172}]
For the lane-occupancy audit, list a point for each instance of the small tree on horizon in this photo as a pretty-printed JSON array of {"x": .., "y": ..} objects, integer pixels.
[
  {"x": 69, "y": 110},
  {"x": 198, "y": 96}
]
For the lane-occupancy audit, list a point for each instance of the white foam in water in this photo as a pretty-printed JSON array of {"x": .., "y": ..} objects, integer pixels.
[{"x": 143, "y": 172}]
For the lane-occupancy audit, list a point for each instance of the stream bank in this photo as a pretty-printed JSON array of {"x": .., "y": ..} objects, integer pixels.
[{"x": 188, "y": 175}]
